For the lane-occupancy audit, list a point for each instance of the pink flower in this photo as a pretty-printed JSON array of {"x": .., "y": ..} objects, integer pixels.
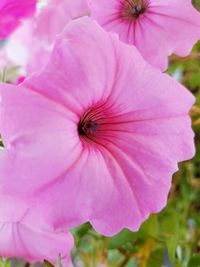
[
  {"x": 97, "y": 136},
  {"x": 25, "y": 235},
  {"x": 157, "y": 28},
  {"x": 11, "y": 14},
  {"x": 24, "y": 50},
  {"x": 55, "y": 16},
  {"x": 30, "y": 46},
  {"x": 48, "y": 24}
]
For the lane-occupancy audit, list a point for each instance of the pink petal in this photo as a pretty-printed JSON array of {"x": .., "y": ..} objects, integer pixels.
[
  {"x": 88, "y": 70},
  {"x": 30, "y": 46},
  {"x": 37, "y": 123},
  {"x": 29, "y": 238},
  {"x": 11, "y": 13},
  {"x": 93, "y": 189},
  {"x": 174, "y": 25},
  {"x": 166, "y": 27},
  {"x": 55, "y": 17},
  {"x": 121, "y": 172}
]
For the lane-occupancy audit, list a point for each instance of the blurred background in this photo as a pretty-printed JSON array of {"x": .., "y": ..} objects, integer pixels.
[{"x": 168, "y": 239}]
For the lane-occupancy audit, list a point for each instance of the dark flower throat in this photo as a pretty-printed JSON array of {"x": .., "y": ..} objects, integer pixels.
[
  {"x": 87, "y": 127},
  {"x": 132, "y": 9}
]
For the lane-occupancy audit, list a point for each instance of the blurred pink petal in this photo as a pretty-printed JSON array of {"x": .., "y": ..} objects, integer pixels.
[
  {"x": 55, "y": 16},
  {"x": 21, "y": 79},
  {"x": 97, "y": 136},
  {"x": 30, "y": 46},
  {"x": 28, "y": 237},
  {"x": 157, "y": 28},
  {"x": 24, "y": 50},
  {"x": 12, "y": 12}
]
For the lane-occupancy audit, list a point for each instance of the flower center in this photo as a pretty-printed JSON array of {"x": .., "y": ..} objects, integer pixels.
[
  {"x": 95, "y": 124},
  {"x": 132, "y": 9},
  {"x": 90, "y": 121},
  {"x": 87, "y": 127}
]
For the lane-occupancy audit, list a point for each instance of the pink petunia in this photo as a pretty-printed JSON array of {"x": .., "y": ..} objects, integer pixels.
[
  {"x": 157, "y": 28},
  {"x": 11, "y": 14},
  {"x": 24, "y": 50},
  {"x": 55, "y": 16},
  {"x": 25, "y": 235},
  {"x": 30, "y": 46},
  {"x": 97, "y": 136}
]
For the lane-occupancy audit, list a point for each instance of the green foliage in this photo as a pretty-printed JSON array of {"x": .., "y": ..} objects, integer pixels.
[
  {"x": 194, "y": 261},
  {"x": 196, "y": 4},
  {"x": 47, "y": 264},
  {"x": 5, "y": 263}
]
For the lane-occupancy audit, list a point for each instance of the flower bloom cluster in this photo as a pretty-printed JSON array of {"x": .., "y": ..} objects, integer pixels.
[{"x": 95, "y": 130}]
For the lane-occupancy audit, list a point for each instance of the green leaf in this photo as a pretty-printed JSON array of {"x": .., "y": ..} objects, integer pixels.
[
  {"x": 48, "y": 264},
  {"x": 82, "y": 230},
  {"x": 150, "y": 228},
  {"x": 156, "y": 258},
  {"x": 196, "y": 4},
  {"x": 169, "y": 225},
  {"x": 121, "y": 239},
  {"x": 171, "y": 246},
  {"x": 5, "y": 263},
  {"x": 194, "y": 261}
]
